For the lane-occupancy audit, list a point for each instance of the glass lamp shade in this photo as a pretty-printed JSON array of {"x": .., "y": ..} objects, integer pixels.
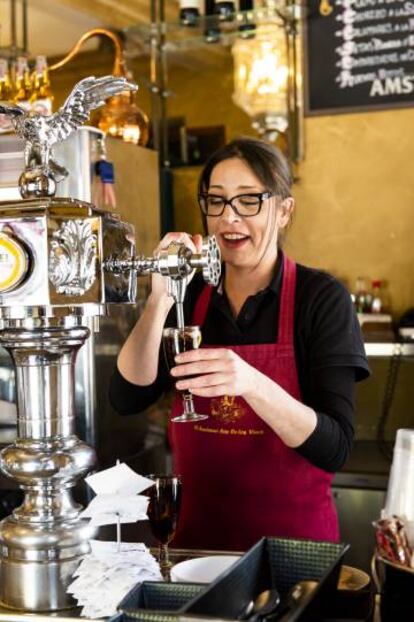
[
  {"x": 261, "y": 75},
  {"x": 122, "y": 118}
]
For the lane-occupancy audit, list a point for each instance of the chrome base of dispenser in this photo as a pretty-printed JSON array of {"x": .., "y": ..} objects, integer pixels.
[
  {"x": 43, "y": 541},
  {"x": 32, "y": 586}
]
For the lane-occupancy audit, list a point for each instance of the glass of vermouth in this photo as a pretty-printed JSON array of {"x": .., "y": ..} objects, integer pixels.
[
  {"x": 176, "y": 340},
  {"x": 163, "y": 512}
]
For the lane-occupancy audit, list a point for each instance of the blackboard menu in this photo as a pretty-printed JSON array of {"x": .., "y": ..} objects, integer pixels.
[{"x": 359, "y": 55}]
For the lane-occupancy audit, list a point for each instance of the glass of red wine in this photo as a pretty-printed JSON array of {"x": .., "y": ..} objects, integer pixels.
[
  {"x": 163, "y": 512},
  {"x": 176, "y": 340}
]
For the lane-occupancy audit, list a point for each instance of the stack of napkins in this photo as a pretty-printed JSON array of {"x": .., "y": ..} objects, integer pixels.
[
  {"x": 108, "y": 573},
  {"x": 113, "y": 568}
]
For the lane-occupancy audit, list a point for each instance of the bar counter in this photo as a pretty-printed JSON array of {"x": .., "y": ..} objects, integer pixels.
[{"x": 177, "y": 555}]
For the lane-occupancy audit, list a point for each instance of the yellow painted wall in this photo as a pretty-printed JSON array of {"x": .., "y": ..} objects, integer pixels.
[
  {"x": 355, "y": 200},
  {"x": 355, "y": 197}
]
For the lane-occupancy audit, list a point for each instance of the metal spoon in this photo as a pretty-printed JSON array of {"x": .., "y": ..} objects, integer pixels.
[
  {"x": 264, "y": 604},
  {"x": 298, "y": 595}
]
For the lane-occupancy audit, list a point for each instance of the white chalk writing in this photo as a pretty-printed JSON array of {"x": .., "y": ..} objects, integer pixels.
[{"x": 375, "y": 46}]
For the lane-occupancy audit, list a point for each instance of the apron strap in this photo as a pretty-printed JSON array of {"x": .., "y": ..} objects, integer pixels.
[
  {"x": 201, "y": 306},
  {"x": 287, "y": 303}
]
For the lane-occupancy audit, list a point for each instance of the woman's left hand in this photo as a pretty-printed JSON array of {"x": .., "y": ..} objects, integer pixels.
[{"x": 216, "y": 371}]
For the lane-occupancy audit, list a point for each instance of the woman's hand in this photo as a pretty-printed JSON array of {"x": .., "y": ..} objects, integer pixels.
[
  {"x": 159, "y": 283},
  {"x": 218, "y": 371}
]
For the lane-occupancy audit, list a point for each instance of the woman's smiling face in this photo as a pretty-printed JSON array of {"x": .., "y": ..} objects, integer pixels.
[{"x": 244, "y": 242}]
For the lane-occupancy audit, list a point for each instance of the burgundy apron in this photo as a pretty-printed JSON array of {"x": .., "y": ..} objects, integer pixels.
[{"x": 240, "y": 481}]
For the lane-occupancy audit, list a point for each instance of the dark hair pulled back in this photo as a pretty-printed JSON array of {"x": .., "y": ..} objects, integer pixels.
[{"x": 266, "y": 161}]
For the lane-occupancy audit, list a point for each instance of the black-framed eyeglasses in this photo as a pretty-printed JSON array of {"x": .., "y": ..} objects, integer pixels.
[{"x": 244, "y": 205}]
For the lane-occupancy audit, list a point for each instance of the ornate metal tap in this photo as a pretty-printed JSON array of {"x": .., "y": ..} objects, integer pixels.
[{"x": 176, "y": 262}]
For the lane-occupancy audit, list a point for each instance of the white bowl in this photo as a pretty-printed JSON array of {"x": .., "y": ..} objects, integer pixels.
[{"x": 202, "y": 569}]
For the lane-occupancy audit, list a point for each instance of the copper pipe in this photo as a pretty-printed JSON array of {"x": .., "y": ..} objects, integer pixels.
[{"x": 118, "y": 69}]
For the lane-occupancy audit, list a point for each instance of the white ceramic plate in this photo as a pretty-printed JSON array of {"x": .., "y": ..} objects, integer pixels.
[{"x": 202, "y": 569}]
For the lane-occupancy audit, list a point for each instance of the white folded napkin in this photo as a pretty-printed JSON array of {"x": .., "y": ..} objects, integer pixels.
[{"x": 108, "y": 573}]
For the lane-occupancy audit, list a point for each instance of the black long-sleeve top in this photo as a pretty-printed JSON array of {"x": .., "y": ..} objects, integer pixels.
[{"x": 329, "y": 351}]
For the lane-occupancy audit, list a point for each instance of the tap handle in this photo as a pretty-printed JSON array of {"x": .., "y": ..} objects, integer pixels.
[
  {"x": 176, "y": 262},
  {"x": 212, "y": 262}
]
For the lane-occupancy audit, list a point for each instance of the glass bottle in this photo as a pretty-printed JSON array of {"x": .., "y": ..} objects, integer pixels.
[
  {"x": 41, "y": 99},
  {"x": 6, "y": 90},
  {"x": 189, "y": 12},
  {"x": 212, "y": 30},
  {"x": 377, "y": 301},
  {"x": 225, "y": 10},
  {"x": 246, "y": 5},
  {"x": 6, "y": 94},
  {"x": 360, "y": 295},
  {"x": 22, "y": 84},
  {"x": 246, "y": 29}
]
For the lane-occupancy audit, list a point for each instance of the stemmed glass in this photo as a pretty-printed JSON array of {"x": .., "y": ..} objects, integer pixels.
[
  {"x": 176, "y": 340},
  {"x": 163, "y": 512}
]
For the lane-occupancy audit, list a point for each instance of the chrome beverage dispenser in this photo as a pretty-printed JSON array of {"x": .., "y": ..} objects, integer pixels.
[
  {"x": 61, "y": 261},
  {"x": 51, "y": 277}
]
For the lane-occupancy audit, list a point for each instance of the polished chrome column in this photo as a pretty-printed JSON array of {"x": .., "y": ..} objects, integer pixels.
[
  {"x": 44, "y": 539},
  {"x": 52, "y": 283}
]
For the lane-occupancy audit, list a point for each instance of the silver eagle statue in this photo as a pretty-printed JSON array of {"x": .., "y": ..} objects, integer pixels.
[{"x": 41, "y": 132}]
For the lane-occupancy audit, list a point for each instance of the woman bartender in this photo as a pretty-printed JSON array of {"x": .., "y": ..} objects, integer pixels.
[{"x": 277, "y": 377}]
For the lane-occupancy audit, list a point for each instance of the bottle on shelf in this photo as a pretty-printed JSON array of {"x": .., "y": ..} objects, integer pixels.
[
  {"x": 361, "y": 295},
  {"x": 6, "y": 94},
  {"x": 22, "y": 84},
  {"x": 377, "y": 305},
  {"x": 211, "y": 30},
  {"x": 189, "y": 12},
  {"x": 41, "y": 99},
  {"x": 225, "y": 10},
  {"x": 6, "y": 90},
  {"x": 247, "y": 29}
]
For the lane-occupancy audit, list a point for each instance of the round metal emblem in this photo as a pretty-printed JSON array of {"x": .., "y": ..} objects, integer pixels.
[{"x": 14, "y": 263}]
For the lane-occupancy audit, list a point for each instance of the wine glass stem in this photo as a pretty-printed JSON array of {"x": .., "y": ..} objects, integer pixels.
[
  {"x": 188, "y": 404},
  {"x": 164, "y": 561}
]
